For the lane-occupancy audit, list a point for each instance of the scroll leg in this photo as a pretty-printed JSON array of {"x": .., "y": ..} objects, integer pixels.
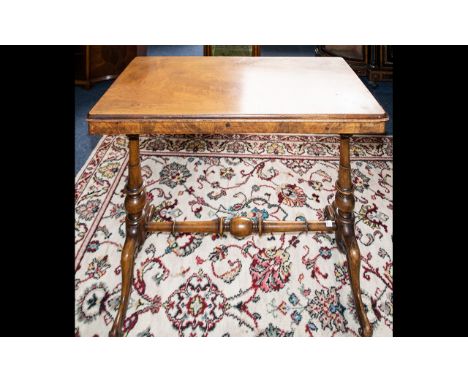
[
  {"x": 137, "y": 210},
  {"x": 354, "y": 265},
  {"x": 342, "y": 210},
  {"x": 353, "y": 256},
  {"x": 126, "y": 261}
]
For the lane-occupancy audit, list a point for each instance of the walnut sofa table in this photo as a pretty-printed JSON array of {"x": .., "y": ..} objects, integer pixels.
[{"x": 232, "y": 95}]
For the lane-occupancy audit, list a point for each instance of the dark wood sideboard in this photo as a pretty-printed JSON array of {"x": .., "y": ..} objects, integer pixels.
[
  {"x": 94, "y": 63},
  {"x": 373, "y": 61}
]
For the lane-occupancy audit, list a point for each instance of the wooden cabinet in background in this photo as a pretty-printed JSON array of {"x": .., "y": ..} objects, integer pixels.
[
  {"x": 94, "y": 63},
  {"x": 381, "y": 63},
  {"x": 373, "y": 61}
]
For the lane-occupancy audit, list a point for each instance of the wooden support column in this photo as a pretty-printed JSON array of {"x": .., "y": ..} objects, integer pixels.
[
  {"x": 135, "y": 203},
  {"x": 342, "y": 212}
]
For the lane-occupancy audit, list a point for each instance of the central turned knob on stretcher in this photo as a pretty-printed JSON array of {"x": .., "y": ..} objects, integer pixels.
[{"x": 240, "y": 226}]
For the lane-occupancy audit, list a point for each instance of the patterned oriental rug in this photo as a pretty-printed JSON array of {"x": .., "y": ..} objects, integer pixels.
[{"x": 200, "y": 285}]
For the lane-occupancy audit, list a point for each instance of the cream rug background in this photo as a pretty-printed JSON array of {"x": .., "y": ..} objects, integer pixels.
[{"x": 195, "y": 285}]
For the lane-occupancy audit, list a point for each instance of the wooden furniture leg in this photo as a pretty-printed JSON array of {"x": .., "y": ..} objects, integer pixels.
[
  {"x": 341, "y": 211},
  {"x": 137, "y": 215}
]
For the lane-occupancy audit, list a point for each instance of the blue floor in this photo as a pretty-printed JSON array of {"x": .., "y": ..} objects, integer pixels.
[
  {"x": 85, "y": 99},
  {"x": 175, "y": 50}
]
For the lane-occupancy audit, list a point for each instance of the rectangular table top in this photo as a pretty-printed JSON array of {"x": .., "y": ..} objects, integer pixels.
[{"x": 237, "y": 95}]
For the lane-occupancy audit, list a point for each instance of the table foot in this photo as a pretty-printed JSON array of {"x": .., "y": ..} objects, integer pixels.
[
  {"x": 126, "y": 262},
  {"x": 345, "y": 236},
  {"x": 133, "y": 242}
]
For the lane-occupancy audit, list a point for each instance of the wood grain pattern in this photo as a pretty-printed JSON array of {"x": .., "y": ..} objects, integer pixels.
[
  {"x": 237, "y": 94},
  {"x": 231, "y": 126}
]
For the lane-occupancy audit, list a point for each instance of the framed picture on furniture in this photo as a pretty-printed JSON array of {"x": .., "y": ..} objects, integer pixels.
[{"x": 231, "y": 50}]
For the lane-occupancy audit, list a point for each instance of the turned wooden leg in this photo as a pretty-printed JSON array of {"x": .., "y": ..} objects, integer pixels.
[
  {"x": 135, "y": 206},
  {"x": 341, "y": 211}
]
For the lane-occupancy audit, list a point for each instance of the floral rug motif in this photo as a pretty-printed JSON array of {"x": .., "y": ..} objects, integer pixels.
[{"x": 198, "y": 285}]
